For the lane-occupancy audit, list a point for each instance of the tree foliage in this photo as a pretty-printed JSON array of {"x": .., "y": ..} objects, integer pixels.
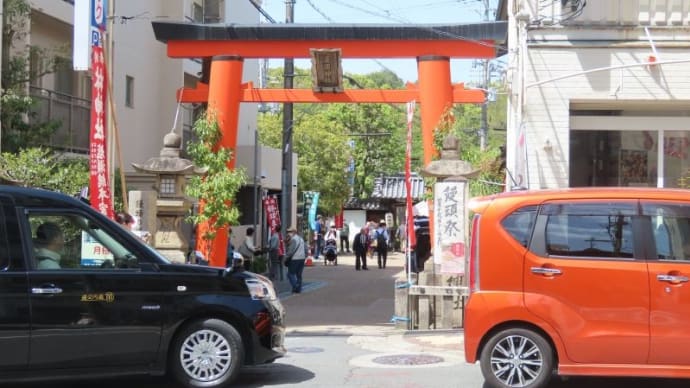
[
  {"x": 38, "y": 167},
  {"x": 218, "y": 187},
  {"x": 18, "y": 107},
  {"x": 465, "y": 125},
  {"x": 374, "y": 136},
  {"x": 329, "y": 137}
]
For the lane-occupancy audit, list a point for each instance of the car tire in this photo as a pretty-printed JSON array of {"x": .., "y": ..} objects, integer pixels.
[
  {"x": 517, "y": 358},
  {"x": 207, "y": 353}
]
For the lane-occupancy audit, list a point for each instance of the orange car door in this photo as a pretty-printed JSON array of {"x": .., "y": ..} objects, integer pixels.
[
  {"x": 581, "y": 276},
  {"x": 669, "y": 275}
]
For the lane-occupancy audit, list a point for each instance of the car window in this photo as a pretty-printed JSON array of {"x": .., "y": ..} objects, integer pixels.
[
  {"x": 69, "y": 241},
  {"x": 520, "y": 224},
  {"x": 4, "y": 245},
  {"x": 589, "y": 230},
  {"x": 671, "y": 227}
]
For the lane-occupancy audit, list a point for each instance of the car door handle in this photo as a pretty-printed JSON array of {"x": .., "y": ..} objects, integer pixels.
[
  {"x": 46, "y": 290},
  {"x": 672, "y": 278},
  {"x": 546, "y": 271}
]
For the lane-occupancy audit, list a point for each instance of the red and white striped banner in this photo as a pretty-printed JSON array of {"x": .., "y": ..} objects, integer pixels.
[{"x": 408, "y": 176}]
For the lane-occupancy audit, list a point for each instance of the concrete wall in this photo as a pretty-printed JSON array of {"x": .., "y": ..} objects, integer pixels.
[
  {"x": 547, "y": 50},
  {"x": 613, "y": 12},
  {"x": 547, "y": 106}
]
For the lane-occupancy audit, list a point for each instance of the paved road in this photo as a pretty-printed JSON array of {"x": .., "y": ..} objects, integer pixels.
[{"x": 340, "y": 336}]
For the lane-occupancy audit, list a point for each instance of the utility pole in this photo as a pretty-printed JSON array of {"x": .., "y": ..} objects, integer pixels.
[
  {"x": 286, "y": 185},
  {"x": 484, "y": 130}
]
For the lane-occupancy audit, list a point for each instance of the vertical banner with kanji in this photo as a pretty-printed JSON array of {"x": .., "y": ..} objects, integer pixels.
[
  {"x": 307, "y": 197},
  {"x": 273, "y": 219},
  {"x": 450, "y": 228},
  {"x": 99, "y": 185},
  {"x": 272, "y": 212},
  {"x": 312, "y": 210}
]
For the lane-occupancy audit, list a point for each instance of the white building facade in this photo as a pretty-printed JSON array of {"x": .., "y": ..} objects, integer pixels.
[
  {"x": 600, "y": 93},
  {"x": 144, "y": 83}
]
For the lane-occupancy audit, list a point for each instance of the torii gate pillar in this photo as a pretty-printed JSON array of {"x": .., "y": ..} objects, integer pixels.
[
  {"x": 435, "y": 97},
  {"x": 224, "y": 97}
]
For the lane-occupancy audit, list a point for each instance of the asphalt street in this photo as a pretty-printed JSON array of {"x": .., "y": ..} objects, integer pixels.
[{"x": 340, "y": 335}]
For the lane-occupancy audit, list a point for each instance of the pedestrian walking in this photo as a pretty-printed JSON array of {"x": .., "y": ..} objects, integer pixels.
[
  {"x": 345, "y": 237},
  {"x": 371, "y": 232},
  {"x": 276, "y": 251},
  {"x": 294, "y": 259},
  {"x": 382, "y": 241},
  {"x": 360, "y": 245},
  {"x": 248, "y": 250}
]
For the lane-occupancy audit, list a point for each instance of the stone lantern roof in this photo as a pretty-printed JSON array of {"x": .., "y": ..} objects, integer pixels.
[{"x": 169, "y": 161}]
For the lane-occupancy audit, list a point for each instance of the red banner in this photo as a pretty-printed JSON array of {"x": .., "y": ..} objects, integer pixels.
[
  {"x": 273, "y": 219},
  {"x": 99, "y": 186},
  {"x": 272, "y": 212}
]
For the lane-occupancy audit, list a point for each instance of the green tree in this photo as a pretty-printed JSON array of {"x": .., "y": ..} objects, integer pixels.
[
  {"x": 323, "y": 155},
  {"x": 38, "y": 167},
  {"x": 219, "y": 185},
  {"x": 323, "y": 134},
  {"x": 17, "y": 73},
  {"x": 465, "y": 124}
]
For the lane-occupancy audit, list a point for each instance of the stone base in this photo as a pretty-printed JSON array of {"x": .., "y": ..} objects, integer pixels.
[{"x": 174, "y": 256}]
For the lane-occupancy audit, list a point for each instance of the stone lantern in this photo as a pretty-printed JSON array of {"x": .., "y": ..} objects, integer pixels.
[
  {"x": 171, "y": 203},
  {"x": 440, "y": 287}
]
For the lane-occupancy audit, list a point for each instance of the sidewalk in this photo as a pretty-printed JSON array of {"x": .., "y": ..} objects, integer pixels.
[{"x": 284, "y": 289}]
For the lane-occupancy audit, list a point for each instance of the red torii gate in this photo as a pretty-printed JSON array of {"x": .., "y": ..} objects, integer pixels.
[{"x": 228, "y": 45}]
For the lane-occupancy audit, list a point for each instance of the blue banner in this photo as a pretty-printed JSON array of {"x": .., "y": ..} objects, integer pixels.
[{"x": 312, "y": 211}]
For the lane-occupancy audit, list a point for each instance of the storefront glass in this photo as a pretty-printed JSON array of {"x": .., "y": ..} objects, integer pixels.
[{"x": 629, "y": 158}]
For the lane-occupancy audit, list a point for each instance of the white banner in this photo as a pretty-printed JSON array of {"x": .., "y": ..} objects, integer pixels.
[{"x": 450, "y": 226}]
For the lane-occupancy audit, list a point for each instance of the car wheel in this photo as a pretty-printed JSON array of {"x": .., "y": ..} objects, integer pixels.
[
  {"x": 207, "y": 353},
  {"x": 517, "y": 358}
]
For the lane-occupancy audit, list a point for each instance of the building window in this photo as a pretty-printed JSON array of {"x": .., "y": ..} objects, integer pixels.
[
  {"x": 167, "y": 185},
  {"x": 64, "y": 77},
  {"x": 208, "y": 11},
  {"x": 129, "y": 91},
  {"x": 197, "y": 13}
]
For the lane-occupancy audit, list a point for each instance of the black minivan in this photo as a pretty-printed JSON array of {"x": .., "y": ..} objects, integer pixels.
[{"x": 81, "y": 296}]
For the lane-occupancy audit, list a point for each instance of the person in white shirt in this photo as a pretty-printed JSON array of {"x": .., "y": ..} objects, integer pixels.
[
  {"x": 50, "y": 241},
  {"x": 248, "y": 250}
]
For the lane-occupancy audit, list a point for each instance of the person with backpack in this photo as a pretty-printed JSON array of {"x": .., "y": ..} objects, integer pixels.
[{"x": 382, "y": 239}]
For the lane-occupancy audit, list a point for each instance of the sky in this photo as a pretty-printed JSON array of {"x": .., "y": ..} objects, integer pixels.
[{"x": 387, "y": 11}]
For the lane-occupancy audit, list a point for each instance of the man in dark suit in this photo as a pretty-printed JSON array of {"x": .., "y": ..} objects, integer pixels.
[{"x": 360, "y": 245}]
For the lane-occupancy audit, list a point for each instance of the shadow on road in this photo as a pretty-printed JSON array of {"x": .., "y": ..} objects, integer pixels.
[
  {"x": 250, "y": 377},
  {"x": 604, "y": 382}
]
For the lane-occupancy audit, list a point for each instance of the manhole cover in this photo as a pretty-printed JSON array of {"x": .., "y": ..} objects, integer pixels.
[
  {"x": 305, "y": 349},
  {"x": 408, "y": 359}
]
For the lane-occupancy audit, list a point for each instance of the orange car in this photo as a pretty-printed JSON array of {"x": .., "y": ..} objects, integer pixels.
[{"x": 590, "y": 281}]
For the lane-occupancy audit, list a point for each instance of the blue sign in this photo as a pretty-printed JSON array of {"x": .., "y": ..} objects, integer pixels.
[{"x": 99, "y": 8}]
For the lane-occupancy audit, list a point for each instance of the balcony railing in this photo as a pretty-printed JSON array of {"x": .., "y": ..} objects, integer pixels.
[{"x": 73, "y": 115}]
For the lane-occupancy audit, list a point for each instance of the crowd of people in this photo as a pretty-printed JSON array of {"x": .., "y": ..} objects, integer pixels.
[{"x": 373, "y": 240}]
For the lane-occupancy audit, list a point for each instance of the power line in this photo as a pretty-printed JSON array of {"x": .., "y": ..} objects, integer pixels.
[
  {"x": 262, "y": 11},
  {"x": 320, "y": 12},
  {"x": 406, "y": 21}
]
